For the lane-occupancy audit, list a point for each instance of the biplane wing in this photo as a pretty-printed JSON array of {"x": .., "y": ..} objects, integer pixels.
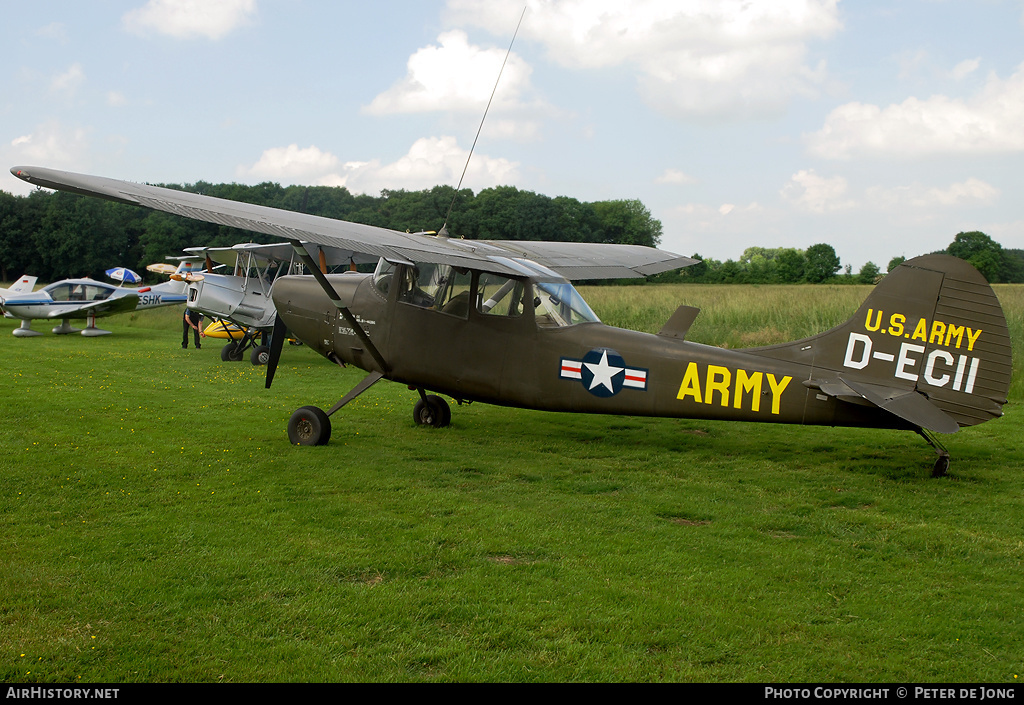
[
  {"x": 571, "y": 260},
  {"x": 278, "y": 252}
]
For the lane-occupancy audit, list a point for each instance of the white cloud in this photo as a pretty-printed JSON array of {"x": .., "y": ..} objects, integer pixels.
[
  {"x": 50, "y": 143},
  {"x": 675, "y": 176},
  {"x": 965, "y": 68},
  {"x": 808, "y": 191},
  {"x": 911, "y": 62},
  {"x": 292, "y": 164},
  {"x": 972, "y": 192},
  {"x": 187, "y": 19},
  {"x": 690, "y": 57},
  {"x": 69, "y": 81},
  {"x": 429, "y": 162},
  {"x": 989, "y": 122},
  {"x": 454, "y": 75},
  {"x": 57, "y": 31}
]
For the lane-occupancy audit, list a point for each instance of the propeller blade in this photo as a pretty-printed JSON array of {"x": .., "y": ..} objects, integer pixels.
[{"x": 276, "y": 343}]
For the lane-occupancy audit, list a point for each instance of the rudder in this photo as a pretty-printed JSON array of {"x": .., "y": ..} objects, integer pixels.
[{"x": 933, "y": 325}]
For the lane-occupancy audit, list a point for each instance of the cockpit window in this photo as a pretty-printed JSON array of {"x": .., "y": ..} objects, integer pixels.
[
  {"x": 78, "y": 292},
  {"x": 422, "y": 283},
  {"x": 444, "y": 288},
  {"x": 440, "y": 287},
  {"x": 499, "y": 296},
  {"x": 383, "y": 276},
  {"x": 558, "y": 304}
]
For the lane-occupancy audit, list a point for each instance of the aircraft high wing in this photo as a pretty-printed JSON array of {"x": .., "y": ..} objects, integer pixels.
[
  {"x": 498, "y": 322},
  {"x": 568, "y": 259}
]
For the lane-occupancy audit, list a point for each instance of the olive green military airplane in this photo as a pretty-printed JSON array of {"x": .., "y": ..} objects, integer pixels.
[{"x": 499, "y": 322}]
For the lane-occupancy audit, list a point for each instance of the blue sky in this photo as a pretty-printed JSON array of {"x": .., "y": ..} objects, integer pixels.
[{"x": 880, "y": 128}]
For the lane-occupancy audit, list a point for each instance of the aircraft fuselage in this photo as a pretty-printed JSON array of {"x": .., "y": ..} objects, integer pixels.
[{"x": 589, "y": 367}]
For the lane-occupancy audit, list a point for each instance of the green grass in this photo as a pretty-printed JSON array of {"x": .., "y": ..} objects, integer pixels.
[{"x": 155, "y": 525}]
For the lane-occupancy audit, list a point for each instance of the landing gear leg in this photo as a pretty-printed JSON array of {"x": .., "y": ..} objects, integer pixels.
[
  {"x": 311, "y": 426},
  {"x": 941, "y": 466},
  {"x": 91, "y": 331}
]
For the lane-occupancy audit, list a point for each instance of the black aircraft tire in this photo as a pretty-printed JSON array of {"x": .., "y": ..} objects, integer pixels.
[
  {"x": 435, "y": 412},
  {"x": 309, "y": 426},
  {"x": 231, "y": 353},
  {"x": 941, "y": 466},
  {"x": 260, "y": 355}
]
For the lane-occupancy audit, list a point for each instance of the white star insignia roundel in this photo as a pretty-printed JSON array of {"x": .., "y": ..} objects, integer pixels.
[{"x": 603, "y": 373}]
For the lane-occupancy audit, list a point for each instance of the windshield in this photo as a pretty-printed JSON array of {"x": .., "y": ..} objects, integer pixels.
[
  {"x": 78, "y": 291},
  {"x": 559, "y": 304}
]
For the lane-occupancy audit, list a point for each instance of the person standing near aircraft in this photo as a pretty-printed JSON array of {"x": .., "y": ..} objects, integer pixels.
[{"x": 192, "y": 319}]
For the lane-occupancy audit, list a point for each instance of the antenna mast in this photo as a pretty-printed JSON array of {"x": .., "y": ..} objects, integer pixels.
[{"x": 443, "y": 233}]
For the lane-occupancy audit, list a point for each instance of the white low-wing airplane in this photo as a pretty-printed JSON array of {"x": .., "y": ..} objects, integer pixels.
[{"x": 83, "y": 299}]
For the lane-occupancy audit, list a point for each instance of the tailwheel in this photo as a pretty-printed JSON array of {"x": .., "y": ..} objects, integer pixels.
[
  {"x": 941, "y": 466},
  {"x": 433, "y": 411},
  {"x": 309, "y": 426}
]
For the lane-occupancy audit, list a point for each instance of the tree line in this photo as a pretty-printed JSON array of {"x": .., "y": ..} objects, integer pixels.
[
  {"x": 820, "y": 264},
  {"x": 58, "y": 235}
]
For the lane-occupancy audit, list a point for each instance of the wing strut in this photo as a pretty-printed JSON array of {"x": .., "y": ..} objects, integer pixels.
[
  {"x": 333, "y": 296},
  {"x": 368, "y": 381}
]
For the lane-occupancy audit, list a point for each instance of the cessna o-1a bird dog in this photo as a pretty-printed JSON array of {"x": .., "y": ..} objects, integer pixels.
[
  {"x": 84, "y": 299},
  {"x": 499, "y": 322}
]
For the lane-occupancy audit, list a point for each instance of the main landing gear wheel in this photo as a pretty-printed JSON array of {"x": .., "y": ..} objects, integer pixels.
[
  {"x": 941, "y": 466},
  {"x": 231, "y": 352},
  {"x": 432, "y": 411},
  {"x": 309, "y": 426},
  {"x": 260, "y": 355}
]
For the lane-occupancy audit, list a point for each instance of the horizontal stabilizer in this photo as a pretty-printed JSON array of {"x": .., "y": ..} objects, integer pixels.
[{"x": 907, "y": 404}]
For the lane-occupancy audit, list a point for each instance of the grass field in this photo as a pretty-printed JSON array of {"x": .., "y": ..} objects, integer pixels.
[{"x": 157, "y": 526}]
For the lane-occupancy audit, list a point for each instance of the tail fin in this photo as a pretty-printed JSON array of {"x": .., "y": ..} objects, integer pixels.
[
  {"x": 24, "y": 285},
  {"x": 932, "y": 326}
]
